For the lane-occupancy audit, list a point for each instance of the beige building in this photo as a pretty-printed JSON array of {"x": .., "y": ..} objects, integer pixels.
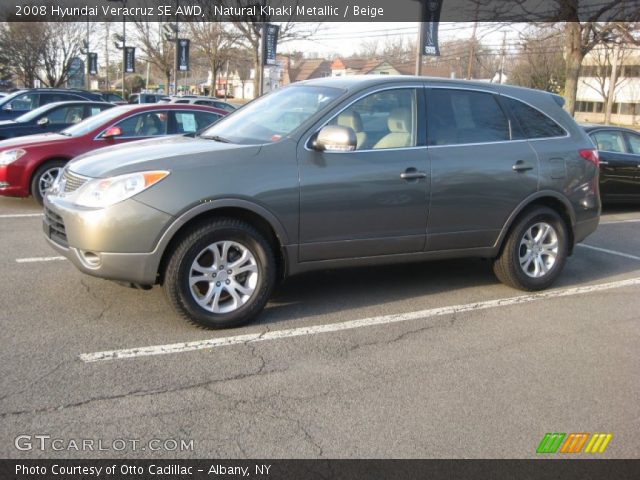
[{"x": 594, "y": 81}]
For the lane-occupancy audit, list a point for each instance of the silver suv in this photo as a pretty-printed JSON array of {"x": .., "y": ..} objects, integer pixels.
[{"x": 333, "y": 173}]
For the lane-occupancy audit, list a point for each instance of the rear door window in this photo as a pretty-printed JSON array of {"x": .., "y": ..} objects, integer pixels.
[
  {"x": 191, "y": 122},
  {"x": 457, "y": 117},
  {"x": 533, "y": 123}
]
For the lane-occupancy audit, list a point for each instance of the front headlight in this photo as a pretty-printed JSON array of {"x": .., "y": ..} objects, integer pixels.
[
  {"x": 10, "y": 156},
  {"x": 104, "y": 192}
]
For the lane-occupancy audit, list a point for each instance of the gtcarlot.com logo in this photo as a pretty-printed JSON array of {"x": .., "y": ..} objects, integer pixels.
[{"x": 573, "y": 443}]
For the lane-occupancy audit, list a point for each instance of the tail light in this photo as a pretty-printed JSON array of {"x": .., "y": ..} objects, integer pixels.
[{"x": 590, "y": 155}]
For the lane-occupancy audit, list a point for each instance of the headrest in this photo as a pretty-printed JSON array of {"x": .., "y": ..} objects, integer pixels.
[
  {"x": 350, "y": 119},
  {"x": 399, "y": 120}
]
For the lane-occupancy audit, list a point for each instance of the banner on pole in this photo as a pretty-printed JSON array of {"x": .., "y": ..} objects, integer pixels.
[{"x": 431, "y": 17}]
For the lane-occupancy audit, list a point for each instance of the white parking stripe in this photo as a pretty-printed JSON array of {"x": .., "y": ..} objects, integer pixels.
[
  {"x": 38, "y": 259},
  {"x": 632, "y": 220},
  {"x": 20, "y": 215},
  {"x": 336, "y": 327},
  {"x": 610, "y": 252}
]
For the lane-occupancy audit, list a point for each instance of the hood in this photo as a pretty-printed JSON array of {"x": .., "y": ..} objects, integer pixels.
[
  {"x": 153, "y": 154},
  {"x": 5, "y": 123},
  {"x": 39, "y": 139}
]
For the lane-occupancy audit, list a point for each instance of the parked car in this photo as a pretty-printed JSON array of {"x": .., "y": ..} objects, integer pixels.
[
  {"x": 212, "y": 102},
  {"x": 22, "y": 101},
  {"x": 619, "y": 151},
  {"x": 330, "y": 173},
  {"x": 145, "y": 97},
  {"x": 29, "y": 165},
  {"x": 52, "y": 117}
]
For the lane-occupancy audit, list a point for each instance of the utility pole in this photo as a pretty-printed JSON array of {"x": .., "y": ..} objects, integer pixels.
[
  {"x": 106, "y": 54},
  {"x": 502, "y": 57},
  {"x": 612, "y": 85},
  {"x": 260, "y": 72},
  {"x": 175, "y": 62},
  {"x": 87, "y": 69},
  {"x": 473, "y": 42},
  {"x": 419, "y": 45}
]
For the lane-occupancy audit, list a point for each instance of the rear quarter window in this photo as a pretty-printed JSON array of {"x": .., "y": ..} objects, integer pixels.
[{"x": 533, "y": 123}]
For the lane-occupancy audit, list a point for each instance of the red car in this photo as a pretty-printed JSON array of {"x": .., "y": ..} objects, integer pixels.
[{"x": 29, "y": 165}]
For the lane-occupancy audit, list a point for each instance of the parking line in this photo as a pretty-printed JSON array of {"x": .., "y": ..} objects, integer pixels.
[
  {"x": 633, "y": 220},
  {"x": 349, "y": 325},
  {"x": 20, "y": 215},
  {"x": 38, "y": 259},
  {"x": 610, "y": 252}
]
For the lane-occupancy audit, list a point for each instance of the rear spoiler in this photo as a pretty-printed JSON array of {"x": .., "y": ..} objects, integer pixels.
[{"x": 558, "y": 99}]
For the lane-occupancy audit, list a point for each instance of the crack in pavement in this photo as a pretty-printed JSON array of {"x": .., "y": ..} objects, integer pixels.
[{"x": 141, "y": 393}]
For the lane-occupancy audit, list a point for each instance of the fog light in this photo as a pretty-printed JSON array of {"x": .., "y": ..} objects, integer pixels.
[
  {"x": 90, "y": 259},
  {"x": 4, "y": 184}
]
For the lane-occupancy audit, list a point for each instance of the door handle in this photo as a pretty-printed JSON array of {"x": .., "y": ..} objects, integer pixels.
[
  {"x": 604, "y": 162},
  {"x": 412, "y": 174},
  {"x": 521, "y": 166}
]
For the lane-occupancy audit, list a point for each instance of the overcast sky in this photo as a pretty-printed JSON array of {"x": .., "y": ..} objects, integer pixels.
[{"x": 345, "y": 39}]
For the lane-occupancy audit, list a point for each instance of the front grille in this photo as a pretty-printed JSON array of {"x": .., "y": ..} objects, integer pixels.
[
  {"x": 55, "y": 226},
  {"x": 72, "y": 182}
]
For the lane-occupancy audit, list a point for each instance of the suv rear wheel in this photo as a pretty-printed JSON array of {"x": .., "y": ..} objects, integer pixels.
[
  {"x": 221, "y": 274},
  {"x": 535, "y": 251}
]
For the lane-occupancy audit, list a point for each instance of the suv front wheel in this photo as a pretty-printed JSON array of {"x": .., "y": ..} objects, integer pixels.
[
  {"x": 535, "y": 251},
  {"x": 221, "y": 274}
]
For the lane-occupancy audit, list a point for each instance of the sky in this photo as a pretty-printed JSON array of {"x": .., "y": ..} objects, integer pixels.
[{"x": 344, "y": 39}]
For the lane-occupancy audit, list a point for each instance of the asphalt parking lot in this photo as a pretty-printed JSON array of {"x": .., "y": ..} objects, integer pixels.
[{"x": 418, "y": 361}]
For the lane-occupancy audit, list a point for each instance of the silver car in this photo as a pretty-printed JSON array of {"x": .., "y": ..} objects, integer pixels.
[{"x": 333, "y": 173}]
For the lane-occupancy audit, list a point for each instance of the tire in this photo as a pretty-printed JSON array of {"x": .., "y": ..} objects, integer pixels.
[
  {"x": 44, "y": 175},
  {"x": 527, "y": 260},
  {"x": 252, "y": 280}
]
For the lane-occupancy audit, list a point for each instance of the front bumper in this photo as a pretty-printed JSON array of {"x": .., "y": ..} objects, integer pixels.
[
  {"x": 116, "y": 243},
  {"x": 10, "y": 182}
]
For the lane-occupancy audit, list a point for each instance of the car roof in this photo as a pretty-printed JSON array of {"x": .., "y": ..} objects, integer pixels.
[
  {"x": 590, "y": 127},
  {"x": 359, "y": 82},
  {"x": 168, "y": 106},
  {"x": 77, "y": 102}
]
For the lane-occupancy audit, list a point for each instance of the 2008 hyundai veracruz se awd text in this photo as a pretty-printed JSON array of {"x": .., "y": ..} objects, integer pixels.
[{"x": 328, "y": 173}]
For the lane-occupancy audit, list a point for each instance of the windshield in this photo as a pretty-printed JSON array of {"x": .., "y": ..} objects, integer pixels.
[
  {"x": 90, "y": 123},
  {"x": 273, "y": 116}
]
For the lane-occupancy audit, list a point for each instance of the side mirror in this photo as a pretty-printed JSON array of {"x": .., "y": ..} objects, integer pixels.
[
  {"x": 112, "y": 132},
  {"x": 43, "y": 121},
  {"x": 334, "y": 138}
]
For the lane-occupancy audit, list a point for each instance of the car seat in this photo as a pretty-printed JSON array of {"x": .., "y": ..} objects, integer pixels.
[
  {"x": 400, "y": 127},
  {"x": 352, "y": 120}
]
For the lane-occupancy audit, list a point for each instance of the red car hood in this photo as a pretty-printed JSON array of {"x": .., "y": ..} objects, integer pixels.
[{"x": 32, "y": 140}]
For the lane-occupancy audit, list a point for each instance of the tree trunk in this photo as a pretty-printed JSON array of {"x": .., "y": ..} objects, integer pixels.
[
  {"x": 574, "y": 55},
  {"x": 168, "y": 77},
  {"x": 611, "y": 94},
  {"x": 214, "y": 77}
]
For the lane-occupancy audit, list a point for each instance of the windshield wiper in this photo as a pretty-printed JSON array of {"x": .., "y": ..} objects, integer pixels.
[{"x": 217, "y": 138}]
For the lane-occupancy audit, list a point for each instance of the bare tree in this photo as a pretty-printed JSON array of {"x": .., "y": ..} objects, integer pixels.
[
  {"x": 602, "y": 73},
  {"x": 156, "y": 48},
  {"x": 214, "y": 40},
  {"x": 251, "y": 32},
  {"x": 539, "y": 62},
  {"x": 22, "y": 45},
  {"x": 63, "y": 44}
]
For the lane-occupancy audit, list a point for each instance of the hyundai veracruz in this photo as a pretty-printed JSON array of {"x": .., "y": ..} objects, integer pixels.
[{"x": 330, "y": 173}]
